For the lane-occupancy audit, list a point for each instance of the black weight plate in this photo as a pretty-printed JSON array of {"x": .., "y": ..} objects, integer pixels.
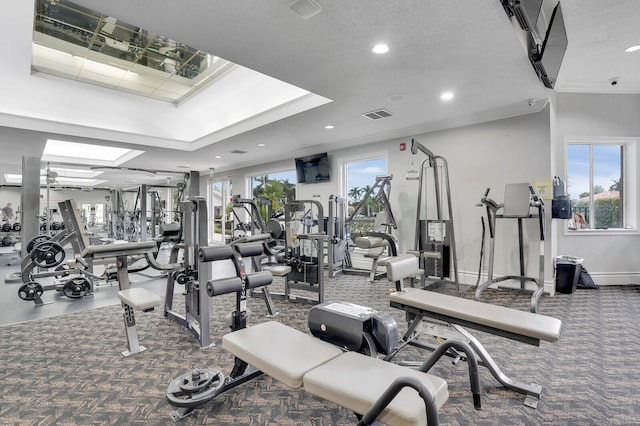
[
  {"x": 7, "y": 241},
  {"x": 17, "y": 227},
  {"x": 195, "y": 388},
  {"x": 30, "y": 291},
  {"x": 36, "y": 240},
  {"x": 6, "y": 227},
  {"x": 76, "y": 288},
  {"x": 47, "y": 254}
]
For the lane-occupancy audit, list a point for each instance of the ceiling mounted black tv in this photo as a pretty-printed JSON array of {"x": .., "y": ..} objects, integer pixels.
[
  {"x": 547, "y": 58},
  {"x": 313, "y": 168}
]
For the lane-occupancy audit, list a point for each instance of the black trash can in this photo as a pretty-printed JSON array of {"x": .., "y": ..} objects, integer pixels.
[{"x": 568, "y": 270}]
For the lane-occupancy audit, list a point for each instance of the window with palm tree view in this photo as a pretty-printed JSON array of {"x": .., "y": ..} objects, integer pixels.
[
  {"x": 276, "y": 188},
  {"x": 595, "y": 177},
  {"x": 360, "y": 176}
]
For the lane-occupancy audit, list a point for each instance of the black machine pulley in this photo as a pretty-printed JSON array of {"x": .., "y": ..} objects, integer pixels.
[
  {"x": 30, "y": 291},
  {"x": 182, "y": 278},
  {"x": 195, "y": 387},
  {"x": 47, "y": 254},
  {"x": 76, "y": 288}
]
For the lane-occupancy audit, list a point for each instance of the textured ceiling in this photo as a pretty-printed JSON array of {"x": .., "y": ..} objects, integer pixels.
[{"x": 470, "y": 48}]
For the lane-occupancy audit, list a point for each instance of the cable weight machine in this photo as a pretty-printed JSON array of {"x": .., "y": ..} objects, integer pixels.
[{"x": 435, "y": 242}]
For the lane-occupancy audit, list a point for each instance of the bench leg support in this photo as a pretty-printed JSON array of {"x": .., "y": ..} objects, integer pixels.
[
  {"x": 531, "y": 390},
  {"x": 419, "y": 325},
  {"x": 132, "y": 334}
]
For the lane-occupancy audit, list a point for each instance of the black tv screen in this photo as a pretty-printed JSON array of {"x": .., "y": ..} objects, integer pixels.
[
  {"x": 313, "y": 169},
  {"x": 547, "y": 59}
]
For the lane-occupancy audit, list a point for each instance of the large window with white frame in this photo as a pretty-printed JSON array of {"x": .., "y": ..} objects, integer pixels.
[
  {"x": 601, "y": 181},
  {"x": 220, "y": 220},
  {"x": 358, "y": 176}
]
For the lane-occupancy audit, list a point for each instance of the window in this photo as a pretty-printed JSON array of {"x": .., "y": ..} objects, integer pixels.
[
  {"x": 599, "y": 182},
  {"x": 276, "y": 188},
  {"x": 220, "y": 218},
  {"x": 359, "y": 176}
]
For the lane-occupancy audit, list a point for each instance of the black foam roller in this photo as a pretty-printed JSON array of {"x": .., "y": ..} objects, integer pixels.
[{"x": 214, "y": 253}]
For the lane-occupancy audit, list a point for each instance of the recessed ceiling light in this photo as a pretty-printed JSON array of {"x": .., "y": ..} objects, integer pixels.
[
  {"x": 380, "y": 48},
  {"x": 328, "y": 127},
  {"x": 632, "y": 48},
  {"x": 184, "y": 166},
  {"x": 260, "y": 144},
  {"x": 218, "y": 156},
  {"x": 446, "y": 96}
]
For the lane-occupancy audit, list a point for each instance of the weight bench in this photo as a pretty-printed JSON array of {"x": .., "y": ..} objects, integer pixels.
[
  {"x": 365, "y": 385},
  {"x": 446, "y": 316}
]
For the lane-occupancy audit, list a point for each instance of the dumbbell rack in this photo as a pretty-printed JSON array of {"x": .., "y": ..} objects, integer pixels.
[{"x": 12, "y": 233}]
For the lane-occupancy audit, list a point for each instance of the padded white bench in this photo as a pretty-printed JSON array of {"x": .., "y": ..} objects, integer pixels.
[
  {"x": 524, "y": 326},
  {"x": 349, "y": 379},
  {"x": 136, "y": 298},
  {"x": 445, "y": 316}
]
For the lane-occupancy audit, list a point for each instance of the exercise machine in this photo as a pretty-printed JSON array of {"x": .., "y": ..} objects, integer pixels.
[
  {"x": 197, "y": 304},
  {"x": 305, "y": 251},
  {"x": 194, "y": 272},
  {"x": 519, "y": 199},
  {"x": 337, "y": 234},
  {"x": 372, "y": 242},
  {"x": 435, "y": 237}
]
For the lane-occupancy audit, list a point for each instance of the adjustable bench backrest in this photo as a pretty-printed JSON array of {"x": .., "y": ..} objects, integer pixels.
[{"x": 523, "y": 326}]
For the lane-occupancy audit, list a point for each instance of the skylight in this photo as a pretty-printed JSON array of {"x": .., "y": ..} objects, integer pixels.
[
  {"x": 16, "y": 179},
  {"x": 74, "y": 42},
  {"x": 86, "y": 154}
]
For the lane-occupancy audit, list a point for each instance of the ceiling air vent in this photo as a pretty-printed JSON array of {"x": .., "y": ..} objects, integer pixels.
[
  {"x": 377, "y": 114},
  {"x": 238, "y": 151}
]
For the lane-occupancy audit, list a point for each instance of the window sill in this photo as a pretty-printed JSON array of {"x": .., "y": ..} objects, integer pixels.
[{"x": 607, "y": 232}]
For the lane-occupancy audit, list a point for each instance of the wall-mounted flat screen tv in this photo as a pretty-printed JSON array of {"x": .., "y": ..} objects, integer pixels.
[
  {"x": 546, "y": 59},
  {"x": 313, "y": 168}
]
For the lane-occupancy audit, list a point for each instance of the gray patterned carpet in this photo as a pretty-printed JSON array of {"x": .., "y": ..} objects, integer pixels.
[{"x": 68, "y": 370}]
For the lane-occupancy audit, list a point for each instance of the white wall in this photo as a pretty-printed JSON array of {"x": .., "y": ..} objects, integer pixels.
[{"x": 605, "y": 254}]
